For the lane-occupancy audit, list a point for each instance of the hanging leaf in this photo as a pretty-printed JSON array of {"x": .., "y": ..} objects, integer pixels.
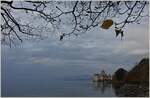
[
  {"x": 119, "y": 31},
  {"x": 61, "y": 37},
  {"x": 107, "y": 23},
  {"x": 122, "y": 34}
]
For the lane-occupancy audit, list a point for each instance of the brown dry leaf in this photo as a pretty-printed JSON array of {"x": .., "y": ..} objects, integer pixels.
[{"x": 107, "y": 23}]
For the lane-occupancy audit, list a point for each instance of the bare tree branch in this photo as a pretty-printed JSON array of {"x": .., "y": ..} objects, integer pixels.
[{"x": 79, "y": 16}]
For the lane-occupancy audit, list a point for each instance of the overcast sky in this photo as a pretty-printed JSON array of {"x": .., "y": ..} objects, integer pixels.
[{"x": 93, "y": 51}]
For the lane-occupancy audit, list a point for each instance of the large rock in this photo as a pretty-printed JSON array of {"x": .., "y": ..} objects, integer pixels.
[{"x": 119, "y": 75}]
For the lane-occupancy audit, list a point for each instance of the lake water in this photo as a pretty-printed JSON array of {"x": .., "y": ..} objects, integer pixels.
[
  {"x": 67, "y": 87},
  {"x": 34, "y": 86}
]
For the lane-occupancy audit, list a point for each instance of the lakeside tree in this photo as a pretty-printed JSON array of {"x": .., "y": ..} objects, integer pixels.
[{"x": 33, "y": 18}]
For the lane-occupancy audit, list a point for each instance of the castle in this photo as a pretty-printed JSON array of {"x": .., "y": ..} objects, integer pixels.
[{"x": 102, "y": 77}]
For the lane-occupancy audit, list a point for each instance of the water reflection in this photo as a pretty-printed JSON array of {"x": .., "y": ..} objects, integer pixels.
[
  {"x": 123, "y": 90},
  {"x": 102, "y": 86}
]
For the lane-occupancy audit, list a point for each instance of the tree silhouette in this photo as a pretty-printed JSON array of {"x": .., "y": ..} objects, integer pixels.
[{"x": 32, "y": 18}]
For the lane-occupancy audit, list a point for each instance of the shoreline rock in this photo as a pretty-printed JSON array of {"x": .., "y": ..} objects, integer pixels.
[{"x": 138, "y": 74}]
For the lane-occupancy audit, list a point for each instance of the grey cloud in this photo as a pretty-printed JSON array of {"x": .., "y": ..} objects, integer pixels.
[{"x": 93, "y": 49}]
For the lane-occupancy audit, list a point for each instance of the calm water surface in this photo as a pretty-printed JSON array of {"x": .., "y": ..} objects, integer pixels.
[
  {"x": 47, "y": 87},
  {"x": 39, "y": 81}
]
